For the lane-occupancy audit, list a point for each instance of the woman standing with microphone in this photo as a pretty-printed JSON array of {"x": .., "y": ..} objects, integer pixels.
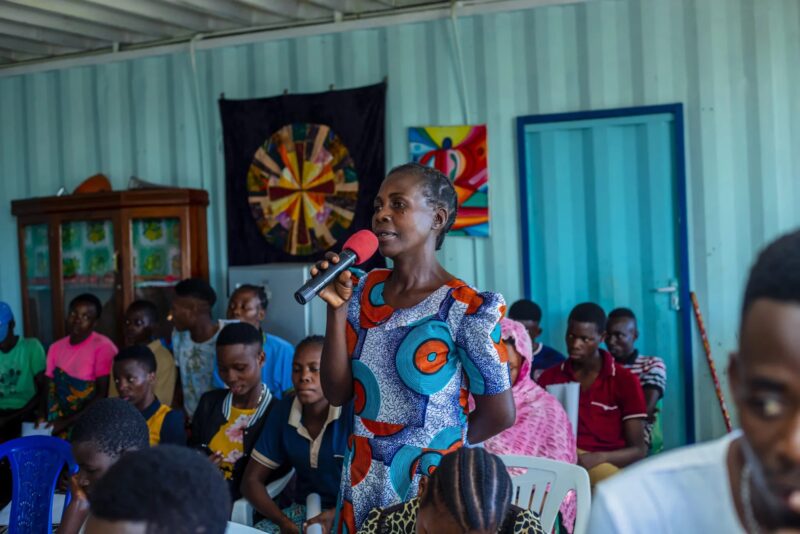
[{"x": 409, "y": 344}]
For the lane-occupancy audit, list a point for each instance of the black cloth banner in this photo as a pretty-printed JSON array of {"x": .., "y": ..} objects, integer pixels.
[{"x": 356, "y": 115}]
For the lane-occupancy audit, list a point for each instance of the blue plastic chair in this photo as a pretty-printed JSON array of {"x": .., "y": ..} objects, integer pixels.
[{"x": 36, "y": 463}]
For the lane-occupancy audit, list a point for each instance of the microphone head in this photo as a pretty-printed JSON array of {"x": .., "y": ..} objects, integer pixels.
[{"x": 363, "y": 243}]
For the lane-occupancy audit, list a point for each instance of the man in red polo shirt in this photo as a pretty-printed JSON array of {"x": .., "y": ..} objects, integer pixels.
[{"x": 612, "y": 410}]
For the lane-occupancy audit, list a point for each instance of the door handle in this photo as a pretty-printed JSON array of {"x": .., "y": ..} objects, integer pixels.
[{"x": 674, "y": 295}]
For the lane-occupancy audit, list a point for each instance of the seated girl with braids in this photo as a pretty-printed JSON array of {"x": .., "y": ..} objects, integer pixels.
[{"x": 470, "y": 491}]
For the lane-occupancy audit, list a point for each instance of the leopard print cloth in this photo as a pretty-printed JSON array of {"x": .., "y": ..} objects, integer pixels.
[{"x": 402, "y": 519}]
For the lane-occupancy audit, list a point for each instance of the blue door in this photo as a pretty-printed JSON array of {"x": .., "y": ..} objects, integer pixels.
[{"x": 604, "y": 220}]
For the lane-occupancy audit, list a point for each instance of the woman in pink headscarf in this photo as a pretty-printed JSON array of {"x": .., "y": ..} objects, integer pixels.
[{"x": 542, "y": 427}]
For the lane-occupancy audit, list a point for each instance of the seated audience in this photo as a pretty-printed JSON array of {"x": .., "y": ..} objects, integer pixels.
[
  {"x": 228, "y": 421},
  {"x": 104, "y": 432},
  {"x": 748, "y": 480},
  {"x": 164, "y": 490},
  {"x": 194, "y": 341},
  {"x": 611, "y": 410},
  {"x": 135, "y": 370},
  {"x": 22, "y": 365},
  {"x": 529, "y": 314},
  {"x": 78, "y": 365},
  {"x": 470, "y": 491},
  {"x": 305, "y": 432},
  {"x": 542, "y": 427},
  {"x": 650, "y": 370},
  {"x": 141, "y": 322},
  {"x": 249, "y": 304}
]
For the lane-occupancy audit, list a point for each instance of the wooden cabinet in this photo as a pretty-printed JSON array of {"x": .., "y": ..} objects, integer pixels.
[{"x": 120, "y": 246}]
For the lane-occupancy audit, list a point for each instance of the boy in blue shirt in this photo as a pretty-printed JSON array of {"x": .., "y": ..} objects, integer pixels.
[{"x": 529, "y": 314}]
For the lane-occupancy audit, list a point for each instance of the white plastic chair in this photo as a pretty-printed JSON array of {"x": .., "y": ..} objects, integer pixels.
[
  {"x": 243, "y": 511},
  {"x": 545, "y": 484},
  {"x": 236, "y": 528}
]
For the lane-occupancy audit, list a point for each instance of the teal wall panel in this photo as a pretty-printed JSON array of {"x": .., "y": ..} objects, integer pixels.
[{"x": 731, "y": 62}]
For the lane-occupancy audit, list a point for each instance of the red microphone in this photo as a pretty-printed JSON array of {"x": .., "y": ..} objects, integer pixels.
[{"x": 356, "y": 250}]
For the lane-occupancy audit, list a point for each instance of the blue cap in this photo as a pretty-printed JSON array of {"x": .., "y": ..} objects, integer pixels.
[{"x": 6, "y": 316}]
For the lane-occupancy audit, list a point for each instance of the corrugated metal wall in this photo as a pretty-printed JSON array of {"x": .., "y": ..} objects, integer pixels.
[{"x": 732, "y": 62}]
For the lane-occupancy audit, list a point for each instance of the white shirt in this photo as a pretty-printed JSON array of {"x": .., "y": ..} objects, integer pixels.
[
  {"x": 195, "y": 362},
  {"x": 683, "y": 491}
]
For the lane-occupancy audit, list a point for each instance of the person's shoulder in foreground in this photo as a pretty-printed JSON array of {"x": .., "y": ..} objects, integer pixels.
[
  {"x": 686, "y": 490},
  {"x": 749, "y": 481}
]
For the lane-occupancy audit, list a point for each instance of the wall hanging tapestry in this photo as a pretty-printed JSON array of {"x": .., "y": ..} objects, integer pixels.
[{"x": 301, "y": 172}]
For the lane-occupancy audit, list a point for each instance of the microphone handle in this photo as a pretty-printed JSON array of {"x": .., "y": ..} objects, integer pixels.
[{"x": 311, "y": 288}]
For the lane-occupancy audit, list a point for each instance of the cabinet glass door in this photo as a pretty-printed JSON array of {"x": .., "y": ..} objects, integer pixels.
[
  {"x": 39, "y": 287},
  {"x": 89, "y": 265},
  {"x": 157, "y": 263}
]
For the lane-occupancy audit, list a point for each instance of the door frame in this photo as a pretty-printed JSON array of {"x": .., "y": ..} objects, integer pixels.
[{"x": 676, "y": 110}]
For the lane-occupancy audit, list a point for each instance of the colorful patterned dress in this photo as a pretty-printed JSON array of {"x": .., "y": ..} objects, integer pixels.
[{"x": 412, "y": 371}]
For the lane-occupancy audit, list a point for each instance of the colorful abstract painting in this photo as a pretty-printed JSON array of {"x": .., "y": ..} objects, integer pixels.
[
  {"x": 460, "y": 153},
  {"x": 302, "y": 188}
]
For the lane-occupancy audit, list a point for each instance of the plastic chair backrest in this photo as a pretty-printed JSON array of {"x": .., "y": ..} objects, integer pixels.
[
  {"x": 237, "y": 528},
  {"x": 242, "y": 512},
  {"x": 36, "y": 462},
  {"x": 545, "y": 484}
]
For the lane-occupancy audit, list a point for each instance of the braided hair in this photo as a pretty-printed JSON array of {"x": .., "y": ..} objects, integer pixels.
[
  {"x": 474, "y": 486},
  {"x": 437, "y": 189},
  {"x": 776, "y": 273}
]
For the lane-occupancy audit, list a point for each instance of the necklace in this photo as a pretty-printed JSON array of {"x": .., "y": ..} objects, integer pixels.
[
  {"x": 261, "y": 395},
  {"x": 747, "y": 504}
]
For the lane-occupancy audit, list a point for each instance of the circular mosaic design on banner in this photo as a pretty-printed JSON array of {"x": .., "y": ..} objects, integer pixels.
[{"x": 302, "y": 188}]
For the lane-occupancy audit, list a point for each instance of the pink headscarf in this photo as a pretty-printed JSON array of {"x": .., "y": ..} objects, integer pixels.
[{"x": 542, "y": 427}]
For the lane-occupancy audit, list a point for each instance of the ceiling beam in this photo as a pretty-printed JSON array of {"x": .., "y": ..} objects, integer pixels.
[
  {"x": 229, "y": 11},
  {"x": 291, "y": 9},
  {"x": 350, "y": 6},
  {"x": 33, "y": 47},
  {"x": 100, "y": 15},
  {"x": 162, "y": 11},
  {"x": 50, "y": 21},
  {"x": 53, "y": 37},
  {"x": 15, "y": 56}
]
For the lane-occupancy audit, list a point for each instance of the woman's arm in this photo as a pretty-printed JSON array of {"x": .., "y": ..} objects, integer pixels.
[
  {"x": 253, "y": 487},
  {"x": 492, "y": 415},
  {"x": 336, "y": 374}
]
